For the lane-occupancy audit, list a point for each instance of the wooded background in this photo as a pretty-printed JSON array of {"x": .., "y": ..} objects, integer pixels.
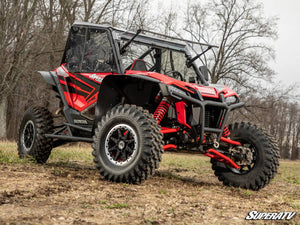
[{"x": 33, "y": 35}]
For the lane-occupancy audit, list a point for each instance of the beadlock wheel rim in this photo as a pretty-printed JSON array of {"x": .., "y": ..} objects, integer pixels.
[
  {"x": 28, "y": 136},
  {"x": 121, "y": 144}
]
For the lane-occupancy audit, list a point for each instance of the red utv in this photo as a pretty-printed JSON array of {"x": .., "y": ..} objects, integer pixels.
[{"x": 134, "y": 96}]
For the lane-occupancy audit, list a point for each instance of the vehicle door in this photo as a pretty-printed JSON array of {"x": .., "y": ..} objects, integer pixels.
[{"x": 89, "y": 58}]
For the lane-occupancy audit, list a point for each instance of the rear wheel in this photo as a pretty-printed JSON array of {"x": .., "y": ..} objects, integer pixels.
[
  {"x": 127, "y": 144},
  {"x": 32, "y": 142},
  {"x": 258, "y": 158}
]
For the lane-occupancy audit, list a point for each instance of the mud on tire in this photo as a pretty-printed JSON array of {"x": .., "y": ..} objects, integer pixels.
[
  {"x": 127, "y": 145},
  {"x": 265, "y": 160},
  {"x": 32, "y": 142}
]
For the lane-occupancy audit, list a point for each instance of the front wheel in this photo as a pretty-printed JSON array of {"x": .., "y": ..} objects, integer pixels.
[
  {"x": 127, "y": 144},
  {"x": 257, "y": 157}
]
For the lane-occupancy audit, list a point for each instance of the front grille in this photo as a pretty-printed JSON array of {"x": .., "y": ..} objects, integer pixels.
[{"x": 213, "y": 116}]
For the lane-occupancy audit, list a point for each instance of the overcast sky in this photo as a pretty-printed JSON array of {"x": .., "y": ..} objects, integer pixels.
[{"x": 287, "y": 46}]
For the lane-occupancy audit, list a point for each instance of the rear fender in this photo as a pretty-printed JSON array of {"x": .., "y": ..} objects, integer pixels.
[
  {"x": 51, "y": 78},
  {"x": 126, "y": 89},
  {"x": 48, "y": 77}
]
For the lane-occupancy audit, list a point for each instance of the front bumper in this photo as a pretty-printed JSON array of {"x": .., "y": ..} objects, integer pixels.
[{"x": 205, "y": 105}]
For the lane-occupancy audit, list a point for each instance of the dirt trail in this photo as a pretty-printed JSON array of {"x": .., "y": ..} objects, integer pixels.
[{"x": 72, "y": 193}]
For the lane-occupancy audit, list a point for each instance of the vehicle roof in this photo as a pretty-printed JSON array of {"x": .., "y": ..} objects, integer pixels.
[{"x": 151, "y": 40}]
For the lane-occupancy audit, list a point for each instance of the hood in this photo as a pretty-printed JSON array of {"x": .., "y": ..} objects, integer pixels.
[{"x": 211, "y": 91}]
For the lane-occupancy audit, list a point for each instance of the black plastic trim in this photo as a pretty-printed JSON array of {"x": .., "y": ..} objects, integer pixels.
[
  {"x": 69, "y": 138},
  {"x": 48, "y": 77}
]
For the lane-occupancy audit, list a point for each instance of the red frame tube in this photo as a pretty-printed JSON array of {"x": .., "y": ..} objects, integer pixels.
[
  {"x": 229, "y": 141},
  {"x": 166, "y": 130},
  {"x": 222, "y": 158},
  {"x": 169, "y": 146}
]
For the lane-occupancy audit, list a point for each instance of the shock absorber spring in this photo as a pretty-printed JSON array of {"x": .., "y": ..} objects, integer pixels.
[
  {"x": 161, "y": 110},
  {"x": 226, "y": 131}
]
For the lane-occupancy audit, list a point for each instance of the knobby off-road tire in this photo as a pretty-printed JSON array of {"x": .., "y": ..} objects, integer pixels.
[
  {"x": 32, "y": 142},
  {"x": 127, "y": 145},
  {"x": 275, "y": 155},
  {"x": 265, "y": 159}
]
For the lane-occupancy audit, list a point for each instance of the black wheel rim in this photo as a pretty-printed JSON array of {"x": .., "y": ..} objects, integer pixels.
[
  {"x": 121, "y": 144},
  {"x": 28, "y": 135}
]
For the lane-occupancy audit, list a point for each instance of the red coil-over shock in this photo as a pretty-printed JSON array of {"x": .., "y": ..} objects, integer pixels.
[
  {"x": 161, "y": 110},
  {"x": 226, "y": 132}
]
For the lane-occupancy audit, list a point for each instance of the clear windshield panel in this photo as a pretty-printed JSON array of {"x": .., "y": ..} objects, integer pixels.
[
  {"x": 89, "y": 51},
  {"x": 169, "y": 62},
  {"x": 173, "y": 64}
]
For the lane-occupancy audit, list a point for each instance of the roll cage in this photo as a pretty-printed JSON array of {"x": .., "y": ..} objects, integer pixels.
[{"x": 155, "y": 44}]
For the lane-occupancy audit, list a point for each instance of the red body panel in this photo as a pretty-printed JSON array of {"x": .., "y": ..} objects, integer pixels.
[
  {"x": 80, "y": 90},
  {"x": 181, "y": 113},
  {"x": 212, "y": 91}
]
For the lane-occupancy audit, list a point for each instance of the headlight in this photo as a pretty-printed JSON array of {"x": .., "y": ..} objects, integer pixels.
[
  {"x": 173, "y": 89},
  {"x": 231, "y": 100}
]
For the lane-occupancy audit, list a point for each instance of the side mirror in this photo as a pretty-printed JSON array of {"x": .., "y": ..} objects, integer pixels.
[{"x": 204, "y": 72}]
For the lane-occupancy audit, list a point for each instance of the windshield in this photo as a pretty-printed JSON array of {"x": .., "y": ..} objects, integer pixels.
[
  {"x": 169, "y": 62},
  {"x": 174, "y": 65}
]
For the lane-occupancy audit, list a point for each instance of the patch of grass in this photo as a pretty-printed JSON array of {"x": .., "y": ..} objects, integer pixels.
[
  {"x": 127, "y": 214},
  {"x": 187, "y": 161},
  {"x": 293, "y": 180},
  {"x": 86, "y": 205},
  {"x": 63, "y": 154},
  {"x": 289, "y": 171},
  {"x": 102, "y": 202},
  {"x": 115, "y": 206},
  {"x": 295, "y": 204},
  {"x": 164, "y": 191},
  {"x": 73, "y": 153},
  {"x": 171, "y": 210},
  {"x": 9, "y": 154},
  {"x": 248, "y": 193},
  {"x": 120, "y": 205}
]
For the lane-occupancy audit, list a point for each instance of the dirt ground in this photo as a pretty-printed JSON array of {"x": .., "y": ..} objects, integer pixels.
[{"x": 74, "y": 193}]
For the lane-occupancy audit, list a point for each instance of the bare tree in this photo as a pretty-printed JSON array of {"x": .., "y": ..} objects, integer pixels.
[
  {"x": 240, "y": 30},
  {"x": 32, "y": 37},
  {"x": 16, "y": 34}
]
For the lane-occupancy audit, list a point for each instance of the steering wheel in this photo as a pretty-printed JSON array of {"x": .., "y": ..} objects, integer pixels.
[{"x": 176, "y": 75}]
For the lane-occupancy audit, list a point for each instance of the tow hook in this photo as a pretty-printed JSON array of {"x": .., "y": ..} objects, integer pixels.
[{"x": 216, "y": 144}]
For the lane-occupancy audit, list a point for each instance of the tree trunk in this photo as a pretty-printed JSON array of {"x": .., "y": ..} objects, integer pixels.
[{"x": 3, "y": 111}]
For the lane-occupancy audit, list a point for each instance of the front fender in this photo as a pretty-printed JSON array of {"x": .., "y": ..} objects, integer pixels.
[{"x": 126, "y": 89}]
